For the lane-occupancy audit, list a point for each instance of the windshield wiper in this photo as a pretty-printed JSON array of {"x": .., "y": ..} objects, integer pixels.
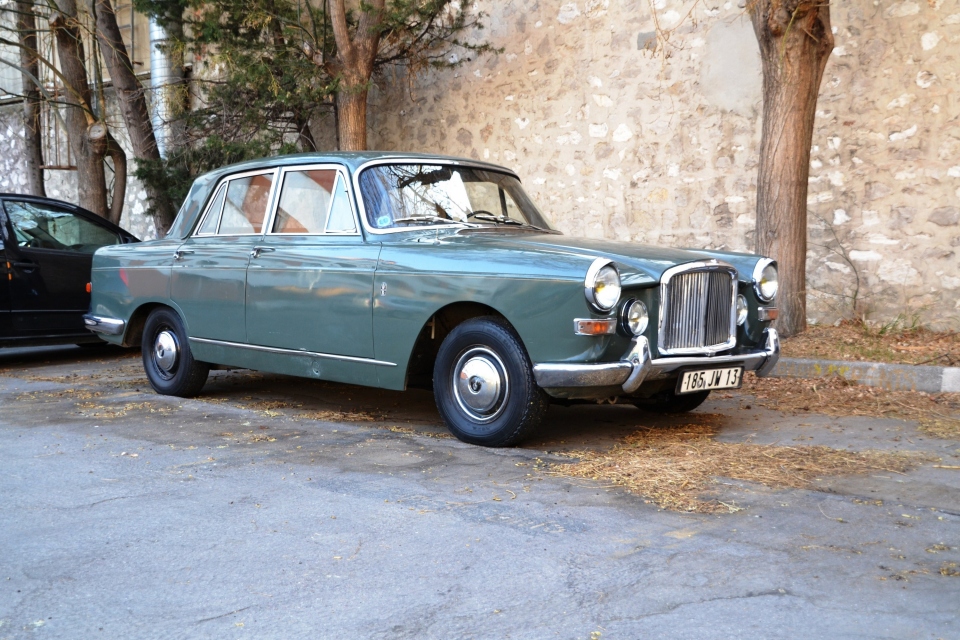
[
  {"x": 486, "y": 215},
  {"x": 508, "y": 221},
  {"x": 427, "y": 219}
]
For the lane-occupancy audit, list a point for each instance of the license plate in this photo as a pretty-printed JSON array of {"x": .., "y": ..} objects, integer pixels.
[{"x": 707, "y": 379}]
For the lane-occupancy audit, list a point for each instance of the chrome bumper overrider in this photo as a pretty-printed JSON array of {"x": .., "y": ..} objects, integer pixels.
[
  {"x": 100, "y": 324},
  {"x": 636, "y": 365}
]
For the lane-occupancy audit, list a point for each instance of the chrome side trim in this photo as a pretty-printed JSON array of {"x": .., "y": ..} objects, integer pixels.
[
  {"x": 102, "y": 324},
  {"x": 293, "y": 352}
]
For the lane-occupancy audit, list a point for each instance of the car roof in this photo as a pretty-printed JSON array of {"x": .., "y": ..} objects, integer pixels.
[
  {"x": 352, "y": 159},
  {"x": 203, "y": 186}
]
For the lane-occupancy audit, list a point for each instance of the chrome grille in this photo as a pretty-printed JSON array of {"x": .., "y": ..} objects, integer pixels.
[{"x": 698, "y": 309}]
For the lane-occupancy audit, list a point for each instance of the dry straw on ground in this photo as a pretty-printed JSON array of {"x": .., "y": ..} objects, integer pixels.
[
  {"x": 855, "y": 341},
  {"x": 675, "y": 467},
  {"x": 936, "y": 414}
]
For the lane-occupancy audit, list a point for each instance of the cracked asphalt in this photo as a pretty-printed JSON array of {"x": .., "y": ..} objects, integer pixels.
[{"x": 272, "y": 507}]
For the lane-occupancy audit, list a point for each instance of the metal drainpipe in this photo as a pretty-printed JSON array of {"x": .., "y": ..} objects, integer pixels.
[{"x": 163, "y": 75}]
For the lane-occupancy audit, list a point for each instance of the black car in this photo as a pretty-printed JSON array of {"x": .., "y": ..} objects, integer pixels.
[{"x": 45, "y": 262}]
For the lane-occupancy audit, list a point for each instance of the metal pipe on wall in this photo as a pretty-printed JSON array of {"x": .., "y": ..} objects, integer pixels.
[{"x": 164, "y": 76}]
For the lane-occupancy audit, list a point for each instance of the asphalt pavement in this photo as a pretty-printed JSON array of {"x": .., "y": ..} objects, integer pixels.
[{"x": 273, "y": 507}]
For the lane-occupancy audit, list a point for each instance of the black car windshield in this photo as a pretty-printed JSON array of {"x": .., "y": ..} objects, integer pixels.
[{"x": 399, "y": 196}]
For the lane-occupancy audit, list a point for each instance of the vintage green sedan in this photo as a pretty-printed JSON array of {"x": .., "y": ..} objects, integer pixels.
[{"x": 394, "y": 270}]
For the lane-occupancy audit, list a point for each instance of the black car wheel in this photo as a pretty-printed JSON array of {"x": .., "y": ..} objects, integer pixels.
[
  {"x": 167, "y": 358},
  {"x": 484, "y": 386},
  {"x": 670, "y": 402}
]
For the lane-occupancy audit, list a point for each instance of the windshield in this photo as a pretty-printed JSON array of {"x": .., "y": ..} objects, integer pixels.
[{"x": 399, "y": 196}]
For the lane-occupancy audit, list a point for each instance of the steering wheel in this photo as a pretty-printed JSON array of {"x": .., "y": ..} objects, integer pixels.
[{"x": 480, "y": 212}]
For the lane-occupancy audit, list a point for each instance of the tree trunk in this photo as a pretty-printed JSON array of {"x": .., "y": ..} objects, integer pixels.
[
  {"x": 33, "y": 152},
  {"x": 795, "y": 42},
  {"x": 103, "y": 143},
  {"x": 353, "y": 66},
  {"x": 88, "y": 153},
  {"x": 133, "y": 106},
  {"x": 352, "y": 119}
]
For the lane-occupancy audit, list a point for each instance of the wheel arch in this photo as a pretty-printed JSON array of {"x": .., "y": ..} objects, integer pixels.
[
  {"x": 134, "y": 332},
  {"x": 419, "y": 371}
]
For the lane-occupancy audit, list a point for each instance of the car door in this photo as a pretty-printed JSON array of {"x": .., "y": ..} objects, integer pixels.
[
  {"x": 6, "y": 274},
  {"x": 48, "y": 258},
  {"x": 310, "y": 279},
  {"x": 208, "y": 278}
]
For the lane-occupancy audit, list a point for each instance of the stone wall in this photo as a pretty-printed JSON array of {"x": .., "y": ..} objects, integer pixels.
[
  {"x": 622, "y": 133},
  {"x": 62, "y": 184}
]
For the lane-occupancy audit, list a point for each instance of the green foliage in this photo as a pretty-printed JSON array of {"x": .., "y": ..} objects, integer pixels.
[{"x": 263, "y": 71}]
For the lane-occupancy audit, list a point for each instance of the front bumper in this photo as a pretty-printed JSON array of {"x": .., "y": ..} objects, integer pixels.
[
  {"x": 104, "y": 325},
  {"x": 637, "y": 365}
]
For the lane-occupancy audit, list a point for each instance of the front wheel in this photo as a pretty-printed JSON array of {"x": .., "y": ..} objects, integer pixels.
[
  {"x": 484, "y": 386},
  {"x": 167, "y": 358},
  {"x": 670, "y": 402}
]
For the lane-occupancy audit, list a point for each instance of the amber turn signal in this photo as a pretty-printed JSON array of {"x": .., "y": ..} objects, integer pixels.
[
  {"x": 595, "y": 327},
  {"x": 89, "y": 287}
]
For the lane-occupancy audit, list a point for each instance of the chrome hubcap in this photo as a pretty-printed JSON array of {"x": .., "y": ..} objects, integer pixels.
[
  {"x": 165, "y": 351},
  {"x": 480, "y": 384}
]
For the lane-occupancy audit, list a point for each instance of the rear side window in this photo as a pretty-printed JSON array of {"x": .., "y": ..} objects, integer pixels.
[
  {"x": 245, "y": 206},
  {"x": 38, "y": 226}
]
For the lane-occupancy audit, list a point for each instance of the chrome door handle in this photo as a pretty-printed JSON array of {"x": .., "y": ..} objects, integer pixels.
[
  {"x": 179, "y": 253},
  {"x": 258, "y": 250}
]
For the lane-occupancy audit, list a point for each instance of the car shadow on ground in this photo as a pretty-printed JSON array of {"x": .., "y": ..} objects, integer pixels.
[{"x": 111, "y": 369}]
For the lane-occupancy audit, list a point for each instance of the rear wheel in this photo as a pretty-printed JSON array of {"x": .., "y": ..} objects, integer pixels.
[
  {"x": 670, "y": 402},
  {"x": 167, "y": 358},
  {"x": 484, "y": 386}
]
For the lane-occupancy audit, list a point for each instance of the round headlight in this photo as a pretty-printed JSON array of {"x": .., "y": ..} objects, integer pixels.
[
  {"x": 765, "y": 280},
  {"x": 741, "y": 309},
  {"x": 602, "y": 285},
  {"x": 635, "y": 317}
]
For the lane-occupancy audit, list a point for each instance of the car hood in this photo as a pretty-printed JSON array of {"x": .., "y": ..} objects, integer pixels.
[{"x": 644, "y": 263}]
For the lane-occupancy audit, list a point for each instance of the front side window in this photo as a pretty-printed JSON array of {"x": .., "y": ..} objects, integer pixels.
[
  {"x": 305, "y": 198},
  {"x": 314, "y": 201},
  {"x": 38, "y": 226},
  {"x": 245, "y": 206},
  {"x": 402, "y": 195}
]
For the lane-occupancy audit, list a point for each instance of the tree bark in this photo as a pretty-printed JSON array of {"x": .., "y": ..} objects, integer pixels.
[
  {"x": 33, "y": 152},
  {"x": 353, "y": 67},
  {"x": 133, "y": 105},
  {"x": 795, "y": 42},
  {"x": 352, "y": 119},
  {"x": 79, "y": 118}
]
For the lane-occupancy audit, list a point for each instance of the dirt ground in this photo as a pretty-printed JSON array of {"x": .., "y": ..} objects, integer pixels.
[
  {"x": 893, "y": 344},
  {"x": 276, "y": 507}
]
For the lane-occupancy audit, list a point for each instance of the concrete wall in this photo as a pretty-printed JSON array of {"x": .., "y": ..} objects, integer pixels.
[{"x": 618, "y": 137}]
